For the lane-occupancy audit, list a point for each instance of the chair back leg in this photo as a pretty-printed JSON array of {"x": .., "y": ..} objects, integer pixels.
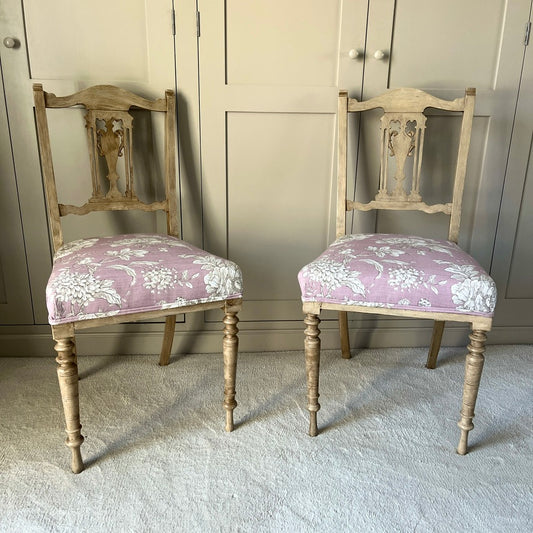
[
  {"x": 168, "y": 338},
  {"x": 434, "y": 347},
  {"x": 344, "y": 334}
]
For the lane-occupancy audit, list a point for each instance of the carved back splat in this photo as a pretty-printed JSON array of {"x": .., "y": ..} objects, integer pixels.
[
  {"x": 403, "y": 126},
  {"x": 402, "y": 138},
  {"x": 109, "y": 132},
  {"x": 110, "y": 136}
]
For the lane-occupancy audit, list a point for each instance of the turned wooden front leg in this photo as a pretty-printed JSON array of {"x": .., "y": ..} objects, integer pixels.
[
  {"x": 312, "y": 367},
  {"x": 230, "y": 349},
  {"x": 67, "y": 373},
  {"x": 473, "y": 368}
]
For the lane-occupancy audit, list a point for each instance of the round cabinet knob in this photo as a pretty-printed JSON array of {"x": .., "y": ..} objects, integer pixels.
[
  {"x": 379, "y": 54},
  {"x": 9, "y": 42},
  {"x": 353, "y": 53}
]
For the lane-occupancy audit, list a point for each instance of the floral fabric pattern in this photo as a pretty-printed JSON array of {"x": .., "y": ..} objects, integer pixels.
[
  {"x": 399, "y": 272},
  {"x": 99, "y": 277}
]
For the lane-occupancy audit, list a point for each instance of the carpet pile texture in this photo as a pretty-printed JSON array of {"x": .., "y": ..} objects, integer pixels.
[{"x": 158, "y": 459}]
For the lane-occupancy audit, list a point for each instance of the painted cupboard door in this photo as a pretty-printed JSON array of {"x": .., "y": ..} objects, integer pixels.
[
  {"x": 68, "y": 46},
  {"x": 15, "y": 297},
  {"x": 512, "y": 266},
  {"x": 269, "y": 76}
]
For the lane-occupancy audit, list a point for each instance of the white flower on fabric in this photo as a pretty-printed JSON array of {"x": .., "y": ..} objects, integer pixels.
[
  {"x": 147, "y": 240},
  {"x": 461, "y": 272},
  {"x": 405, "y": 278},
  {"x": 224, "y": 281},
  {"x": 74, "y": 246},
  {"x": 477, "y": 295},
  {"x": 81, "y": 289},
  {"x": 353, "y": 237},
  {"x": 476, "y": 291},
  {"x": 404, "y": 301},
  {"x": 139, "y": 239},
  {"x": 363, "y": 303},
  {"x": 178, "y": 302},
  {"x": 406, "y": 239},
  {"x": 419, "y": 242},
  {"x": 160, "y": 279},
  {"x": 383, "y": 251},
  {"x": 331, "y": 275},
  {"x": 224, "y": 277},
  {"x": 424, "y": 302},
  {"x": 88, "y": 316},
  {"x": 127, "y": 253}
]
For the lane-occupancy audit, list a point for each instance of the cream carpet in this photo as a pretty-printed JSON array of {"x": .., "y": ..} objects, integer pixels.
[{"x": 158, "y": 458}]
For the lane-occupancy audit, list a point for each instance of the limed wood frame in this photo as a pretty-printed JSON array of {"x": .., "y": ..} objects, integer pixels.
[
  {"x": 106, "y": 102},
  {"x": 402, "y": 105}
]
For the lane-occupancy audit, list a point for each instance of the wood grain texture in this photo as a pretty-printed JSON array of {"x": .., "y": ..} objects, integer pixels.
[
  {"x": 473, "y": 368},
  {"x": 342, "y": 139},
  {"x": 479, "y": 322},
  {"x": 434, "y": 347},
  {"x": 47, "y": 166},
  {"x": 344, "y": 334},
  {"x": 168, "y": 339},
  {"x": 230, "y": 349},
  {"x": 407, "y": 100},
  {"x": 104, "y": 97},
  {"x": 312, "y": 368},
  {"x": 67, "y": 373}
]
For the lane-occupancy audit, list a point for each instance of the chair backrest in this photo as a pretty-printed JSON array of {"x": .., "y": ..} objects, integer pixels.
[
  {"x": 403, "y": 126},
  {"x": 109, "y": 126}
]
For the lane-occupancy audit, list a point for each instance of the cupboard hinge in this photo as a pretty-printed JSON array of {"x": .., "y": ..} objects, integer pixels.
[
  {"x": 198, "y": 24},
  {"x": 528, "y": 33},
  {"x": 173, "y": 22}
]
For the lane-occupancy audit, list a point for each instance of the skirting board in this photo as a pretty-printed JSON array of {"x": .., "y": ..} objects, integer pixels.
[{"x": 40, "y": 343}]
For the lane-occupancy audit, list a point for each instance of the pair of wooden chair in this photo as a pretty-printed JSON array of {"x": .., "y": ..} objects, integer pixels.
[{"x": 108, "y": 280}]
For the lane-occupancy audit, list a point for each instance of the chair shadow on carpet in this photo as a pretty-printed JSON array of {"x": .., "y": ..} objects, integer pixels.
[
  {"x": 362, "y": 402},
  {"x": 159, "y": 422}
]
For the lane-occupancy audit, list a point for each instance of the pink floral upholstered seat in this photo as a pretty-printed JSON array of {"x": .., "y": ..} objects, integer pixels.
[
  {"x": 125, "y": 274},
  {"x": 399, "y": 272}
]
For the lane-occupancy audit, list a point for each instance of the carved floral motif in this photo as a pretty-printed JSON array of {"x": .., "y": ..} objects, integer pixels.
[
  {"x": 402, "y": 137},
  {"x": 109, "y": 135}
]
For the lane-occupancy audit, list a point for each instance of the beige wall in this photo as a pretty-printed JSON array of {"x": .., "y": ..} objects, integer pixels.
[{"x": 256, "y": 112}]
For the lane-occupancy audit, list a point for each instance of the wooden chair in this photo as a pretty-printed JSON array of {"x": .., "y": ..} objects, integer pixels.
[
  {"x": 124, "y": 278},
  {"x": 400, "y": 275}
]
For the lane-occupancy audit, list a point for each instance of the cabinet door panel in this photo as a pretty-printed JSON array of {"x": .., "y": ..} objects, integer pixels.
[
  {"x": 445, "y": 45},
  {"x": 269, "y": 230},
  {"x": 15, "y": 298},
  {"x": 513, "y": 257}
]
